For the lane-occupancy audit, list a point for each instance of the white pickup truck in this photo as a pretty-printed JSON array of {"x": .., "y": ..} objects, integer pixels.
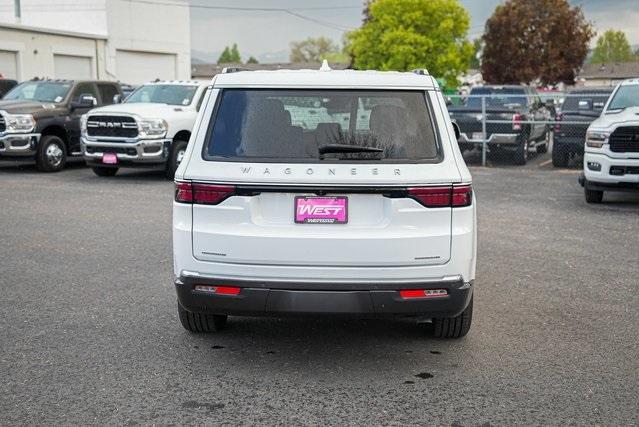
[
  {"x": 151, "y": 128},
  {"x": 611, "y": 158}
]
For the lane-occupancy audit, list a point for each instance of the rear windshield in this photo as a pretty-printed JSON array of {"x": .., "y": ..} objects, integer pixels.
[
  {"x": 499, "y": 97},
  {"x": 585, "y": 100},
  {"x": 329, "y": 125}
]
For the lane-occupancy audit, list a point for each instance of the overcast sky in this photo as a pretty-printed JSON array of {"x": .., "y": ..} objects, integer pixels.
[{"x": 267, "y": 34}]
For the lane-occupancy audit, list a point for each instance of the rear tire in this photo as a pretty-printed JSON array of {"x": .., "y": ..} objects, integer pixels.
[
  {"x": 454, "y": 327},
  {"x": 177, "y": 154},
  {"x": 543, "y": 147},
  {"x": 593, "y": 196},
  {"x": 521, "y": 152},
  {"x": 560, "y": 157},
  {"x": 201, "y": 322},
  {"x": 100, "y": 171},
  {"x": 51, "y": 155}
]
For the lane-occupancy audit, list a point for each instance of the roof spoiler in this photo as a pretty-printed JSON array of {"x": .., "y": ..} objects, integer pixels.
[{"x": 227, "y": 70}]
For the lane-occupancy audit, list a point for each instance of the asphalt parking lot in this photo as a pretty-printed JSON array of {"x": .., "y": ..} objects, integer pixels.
[{"x": 90, "y": 335}]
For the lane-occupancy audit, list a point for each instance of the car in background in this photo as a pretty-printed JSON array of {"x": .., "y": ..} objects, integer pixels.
[
  {"x": 151, "y": 128},
  {"x": 40, "y": 119},
  {"x": 6, "y": 85},
  {"x": 126, "y": 91},
  {"x": 611, "y": 158},
  {"x": 581, "y": 107},
  {"x": 516, "y": 121}
]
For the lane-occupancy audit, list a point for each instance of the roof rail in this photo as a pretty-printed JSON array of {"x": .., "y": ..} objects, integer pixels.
[
  {"x": 421, "y": 72},
  {"x": 227, "y": 70}
]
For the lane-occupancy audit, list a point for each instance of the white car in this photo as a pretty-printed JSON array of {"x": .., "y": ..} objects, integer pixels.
[
  {"x": 368, "y": 211},
  {"x": 150, "y": 129},
  {"x": 611, "y": 157}
]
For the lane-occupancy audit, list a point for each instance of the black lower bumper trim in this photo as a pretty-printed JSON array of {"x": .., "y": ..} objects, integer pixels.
[
  {"x": 604, "y": 186},
  {"x": 255, "y": 299}
]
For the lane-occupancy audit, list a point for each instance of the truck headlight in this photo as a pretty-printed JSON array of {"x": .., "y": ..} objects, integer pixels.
[
  {"x": 152, "y": 128},
  {"x": 19, "y": 123},
  {"x": 83, "y": 124},
  {"x": 596, "y": 139}
]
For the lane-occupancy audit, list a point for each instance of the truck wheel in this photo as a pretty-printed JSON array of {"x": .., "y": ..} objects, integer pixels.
[
  {"x": 201, "y": 322},
  {"x": 51, "y": 155},
  {"x": 177, "y": 154},
  {"x": 560, "y": 157},
  {"x": 521, "y": 153},
  {"x": 543, "y": 147},
  {"x": 100, "y": 171},
  {"x": 454, "y": 327},
  {"x": 593, "y": 196}
]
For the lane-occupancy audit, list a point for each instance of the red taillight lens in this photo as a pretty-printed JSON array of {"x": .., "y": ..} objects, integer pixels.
[
  {"x": 432, "y": 197},
  {"x": 462, "y": 196},
  {"x": 205, "y": 194},
  {"x": 184, "y": 192},
  {"x": 517, "y": 121},
  {"x": 558, "y": 118},
  {"x": 220, "y": 290},
  {"x": 422, "y": 293},
  {"x": 443, "y": 197}
]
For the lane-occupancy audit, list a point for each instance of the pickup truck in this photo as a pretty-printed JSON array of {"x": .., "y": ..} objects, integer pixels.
[
  {"x": 151, "y": 128},
  {"x": 40, "y": 119},
  {"x": 580, "y": 108},
  {"x": 516, "y": 121}
]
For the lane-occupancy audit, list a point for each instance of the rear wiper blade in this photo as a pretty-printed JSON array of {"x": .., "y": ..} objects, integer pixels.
[{"x": 346, "y": 148}]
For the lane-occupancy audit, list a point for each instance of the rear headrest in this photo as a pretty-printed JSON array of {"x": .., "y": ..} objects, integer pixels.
[
  {"x": 386, "y": 118},
  {"x": 328, "y": 133}
]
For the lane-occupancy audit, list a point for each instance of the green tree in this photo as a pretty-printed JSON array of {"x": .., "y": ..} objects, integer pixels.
[
  {"x": 313, "y": 50},
  {"x": 526, "y": 40},
  {"x": 475, "y": 58},
  {"x": 252, "y": 60},
  {"x": 612, "y": 46},
  {"x": 230, "y": 55},
  {"x": 408, "y": 34}
]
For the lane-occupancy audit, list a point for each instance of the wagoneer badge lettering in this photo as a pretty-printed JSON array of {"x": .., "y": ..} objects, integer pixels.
[{"x": 329, "y": 171}]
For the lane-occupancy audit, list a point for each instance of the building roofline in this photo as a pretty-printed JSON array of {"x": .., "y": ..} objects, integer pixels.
[{"x": 20, "y": 27}]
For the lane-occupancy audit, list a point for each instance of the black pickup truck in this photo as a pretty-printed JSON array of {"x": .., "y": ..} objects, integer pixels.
[
  {"x": 580, "y": 108},
  {"x": 40, "y": 119},
  {"x": 516, "y": 120}
]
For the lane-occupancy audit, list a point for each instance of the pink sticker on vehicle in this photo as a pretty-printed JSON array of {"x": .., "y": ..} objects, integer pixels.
[
  {"x": 110, "y": 159},
  {"x": 321, "y": 210}
]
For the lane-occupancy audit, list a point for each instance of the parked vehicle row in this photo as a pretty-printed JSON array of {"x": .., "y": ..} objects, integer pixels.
[
  {"x": 51, "y": 121},
  {"x": 514, "y": 118}
]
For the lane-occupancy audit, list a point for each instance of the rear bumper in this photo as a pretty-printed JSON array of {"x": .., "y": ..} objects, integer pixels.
[
  {"x": 493, "y": 139},
  {"x": 263, "y": 298},
  {"x": 569, "y": 143}
]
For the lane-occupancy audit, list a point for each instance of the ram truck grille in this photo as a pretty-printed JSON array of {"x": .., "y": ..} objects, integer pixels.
[
  {"x": 625, "y": 139},
  {"x": 112, "y": 126}
]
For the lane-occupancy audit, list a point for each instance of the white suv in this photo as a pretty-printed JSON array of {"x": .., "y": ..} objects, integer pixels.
[
  {"x": 332, "y": 192},
  {"x": 611, "y": 155}
]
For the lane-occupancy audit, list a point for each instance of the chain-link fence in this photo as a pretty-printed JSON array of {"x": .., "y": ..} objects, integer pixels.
[{"x": 514, "y": 128}]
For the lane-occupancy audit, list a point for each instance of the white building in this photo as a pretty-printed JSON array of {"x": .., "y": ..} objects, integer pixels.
[{"x": 132, "y": 41}]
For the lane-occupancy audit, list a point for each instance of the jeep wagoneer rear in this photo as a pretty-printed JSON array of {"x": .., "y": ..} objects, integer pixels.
[{"x": 324, "y": 192}]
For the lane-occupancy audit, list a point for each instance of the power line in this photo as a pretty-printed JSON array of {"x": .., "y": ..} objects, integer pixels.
[{"x": 291, "y": 11}]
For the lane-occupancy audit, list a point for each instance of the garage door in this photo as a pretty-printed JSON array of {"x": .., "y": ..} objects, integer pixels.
[
  {"x": 140, "y": 67},
  {"x": 72, "y": 67},
  {"x": 8, "y": 64}
]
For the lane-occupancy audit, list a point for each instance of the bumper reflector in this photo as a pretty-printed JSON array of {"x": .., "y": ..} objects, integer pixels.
[
  {"x": 422, "y": 293},
  {"x": 219, "y": 290}
]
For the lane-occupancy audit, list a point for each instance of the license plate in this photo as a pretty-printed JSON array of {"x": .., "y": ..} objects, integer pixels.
[
  {"x": 109, "y": 159},
  {"x": 478, "y": 135},
  {"x": 321, "y": 210}
]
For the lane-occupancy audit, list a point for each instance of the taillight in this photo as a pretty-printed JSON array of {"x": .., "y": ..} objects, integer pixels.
[
  {"x": 443, "y": 197},
  {"x": 559, "y": 117},
  {"x": 220, "y": 290},
  {"x": 422, "y": 293},
  {"x": 516, "y": 121},
  {"x": 204, "y": 194}
]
